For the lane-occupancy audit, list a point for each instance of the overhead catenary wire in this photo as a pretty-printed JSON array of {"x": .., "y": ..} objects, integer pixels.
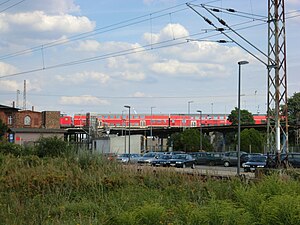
[
  {"x": 9, "y": 7},
  {"x": 117, "y": 54},
  {"x": 125, "y": 52},
  {"x": 101, "y": 30}
]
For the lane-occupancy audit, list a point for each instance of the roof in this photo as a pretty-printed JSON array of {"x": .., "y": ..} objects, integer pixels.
[
  {"x": 37, "y": 130},
  {"x": 5, "y": 107}
]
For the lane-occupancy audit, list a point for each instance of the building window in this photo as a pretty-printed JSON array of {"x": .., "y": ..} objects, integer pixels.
[
  {"x": 27, "y": 120},
  {"x": 10, "y": 120}
]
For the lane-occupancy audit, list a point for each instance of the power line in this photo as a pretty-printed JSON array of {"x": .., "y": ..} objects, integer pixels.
[
  {"x": 9, "y": 7},
  {"x": 140, "y": 49},
  {"x": 101, "y": 30}
]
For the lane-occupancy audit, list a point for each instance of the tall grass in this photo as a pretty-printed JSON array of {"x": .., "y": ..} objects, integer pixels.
[{"x": 91, "y": 190}]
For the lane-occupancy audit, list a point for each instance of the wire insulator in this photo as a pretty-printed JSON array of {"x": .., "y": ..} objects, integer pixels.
[
  {"x": 220, "y": 29},
  {"x": 208, "y": 21},
  {"x": 222, "y": 22},
  {"x": 231, "y": 10},
  {"x": 216, "y": 10}
]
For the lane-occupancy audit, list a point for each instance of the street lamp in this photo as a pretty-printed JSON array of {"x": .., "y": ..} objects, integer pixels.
[
  {"x": 124, "y": 127},
  {"x": 200, "y": 119},
  {"x": 189, "y": 110},
  {"x": 128, "y": 107},
  {"x": 189, "y": 106},
  {"x": 151, "y": 146},
  {"x": 240, "y": 63}
]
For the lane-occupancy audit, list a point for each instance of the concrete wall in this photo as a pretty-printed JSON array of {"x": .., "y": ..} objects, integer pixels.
[
  {"x": 116, "y": 144},
  {"x": 30, "y": 138}
]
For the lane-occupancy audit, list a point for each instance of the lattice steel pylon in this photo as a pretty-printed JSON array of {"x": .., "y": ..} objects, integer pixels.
[{"x": 277, "y": 125}]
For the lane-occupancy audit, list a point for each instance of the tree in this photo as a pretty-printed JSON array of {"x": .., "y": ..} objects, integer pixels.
[
  {"x": 293, "y": 116},
  {"x": 246, "y": 117},
  {"x": 189, "y": 141},
  {"x": 294, "y": 109},
  {"x": 251, "y": 137},
  {"x": 3, "y": 128}
]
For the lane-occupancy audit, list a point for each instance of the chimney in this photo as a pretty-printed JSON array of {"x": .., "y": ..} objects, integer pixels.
[
  {"x": 13, "y": 104},
  {"x": 32, "y": 108}
]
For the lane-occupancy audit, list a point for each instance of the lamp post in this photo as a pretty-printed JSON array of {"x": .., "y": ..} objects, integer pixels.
[
  {"x": 124, "y": 127},
  {"x": 200, "y": 119},
  {"x": 189, "y": 110},
  {"x": 128, "y": 107},
  {"x": 240, "y": 63},
  {"x": 151, "y": 146},
  {"x": 189, "y": 106}
]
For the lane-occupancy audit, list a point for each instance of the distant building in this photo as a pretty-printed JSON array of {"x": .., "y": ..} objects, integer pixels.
[{"x": 27, "y": 126}]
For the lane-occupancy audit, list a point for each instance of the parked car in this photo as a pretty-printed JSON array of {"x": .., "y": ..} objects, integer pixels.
[
  {"x": 292, "y": 159},
  {"x": 199, "y": 157},
  {"x": 246, "y": 157},
  {"x": 148, "y": 157},
  {"x": 124, "y": 158},
  {"x": 256, "y": 161},
  {"x": 161, "y": 160},
  {"x": 182, "y": 161},
  {"x": 214, "y": 158},
  {"x": 231, "y": 159}
]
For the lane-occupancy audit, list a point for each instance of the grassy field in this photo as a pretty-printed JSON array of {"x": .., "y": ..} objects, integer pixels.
[{"x": 89, "y": 190}]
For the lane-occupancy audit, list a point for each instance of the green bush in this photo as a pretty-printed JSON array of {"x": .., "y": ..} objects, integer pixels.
[
  {"x": 53, "y": 147},
  {"x": 10, "y": 148}
]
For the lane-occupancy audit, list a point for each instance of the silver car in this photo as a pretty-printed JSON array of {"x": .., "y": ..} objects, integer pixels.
[{"x": 124, "y": 158}]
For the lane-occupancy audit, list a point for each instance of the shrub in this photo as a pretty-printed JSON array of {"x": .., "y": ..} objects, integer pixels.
[
  {"x": 53, "y": 147},
  {"x": 10, "y": 148}
]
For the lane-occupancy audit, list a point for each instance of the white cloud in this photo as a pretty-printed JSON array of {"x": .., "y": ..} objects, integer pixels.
[
  {"x": 6, "y": 69},
  {"x": 80, "y": 78},
  {"x": 51, "y": 6},
  {"x": 88, "y": 46},
  {"x": 195, "y": 69},
  {"x": 169, "y": 32},
  {"x": 132, "y": 75},
  {"x": 13, "y": 85},
  {"x": 174, "y": 67},
  {"x": 38, "y": 21},
  {"x": 138, "y": 94},
  {"x": 9, "y": 85},
  {"x": 82, "y": 100}
]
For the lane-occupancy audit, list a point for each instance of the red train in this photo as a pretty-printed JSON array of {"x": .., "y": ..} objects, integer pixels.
[{"x": 146, "y": 120}]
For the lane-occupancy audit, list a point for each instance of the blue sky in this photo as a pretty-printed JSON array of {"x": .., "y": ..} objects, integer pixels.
[{"x": 101, "y": 55}]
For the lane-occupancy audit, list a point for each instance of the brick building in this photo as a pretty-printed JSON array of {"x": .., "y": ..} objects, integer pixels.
[
  {"x": 8, "y": 115},
  {"x": 26, "y": 126}
]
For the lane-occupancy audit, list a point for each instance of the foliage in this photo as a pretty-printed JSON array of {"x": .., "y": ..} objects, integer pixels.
[
  {"x": 3, "y": 128},
  {"x": 189, "y": 141},
  {"x": 252, "y": 137},
  {"x": 61, "y": 190},
  {"x": 246, "y": 117},
  {"x": 10, "y": 148},
  {"x": 53, "y": 147},
  {"x": 294, "y": 109}
]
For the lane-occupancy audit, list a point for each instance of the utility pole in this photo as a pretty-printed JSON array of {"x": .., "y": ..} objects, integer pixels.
[
  {"x": 277, "y": 79},
  {"x": 277, "y": 119},
  {"x": 24, "y": 96}
]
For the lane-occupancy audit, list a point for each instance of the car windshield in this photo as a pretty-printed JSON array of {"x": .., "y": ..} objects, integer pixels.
[
  {"x": 179, "y": 156},
  {"x": 164, "y": 156},
  {"x": 257, "y": 159},
  {"x": 150, "y": 154},
  {"x": 123, "y": 155}
]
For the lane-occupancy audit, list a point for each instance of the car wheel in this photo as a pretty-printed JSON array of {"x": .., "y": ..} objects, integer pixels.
[
  {"x": 211, "y": 163},
  {"x": 193, "y": 166},
  {"x": 226, "y": 164}
]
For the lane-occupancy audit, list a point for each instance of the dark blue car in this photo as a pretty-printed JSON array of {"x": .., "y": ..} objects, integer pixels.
[{"x": 257, "y": 161}]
